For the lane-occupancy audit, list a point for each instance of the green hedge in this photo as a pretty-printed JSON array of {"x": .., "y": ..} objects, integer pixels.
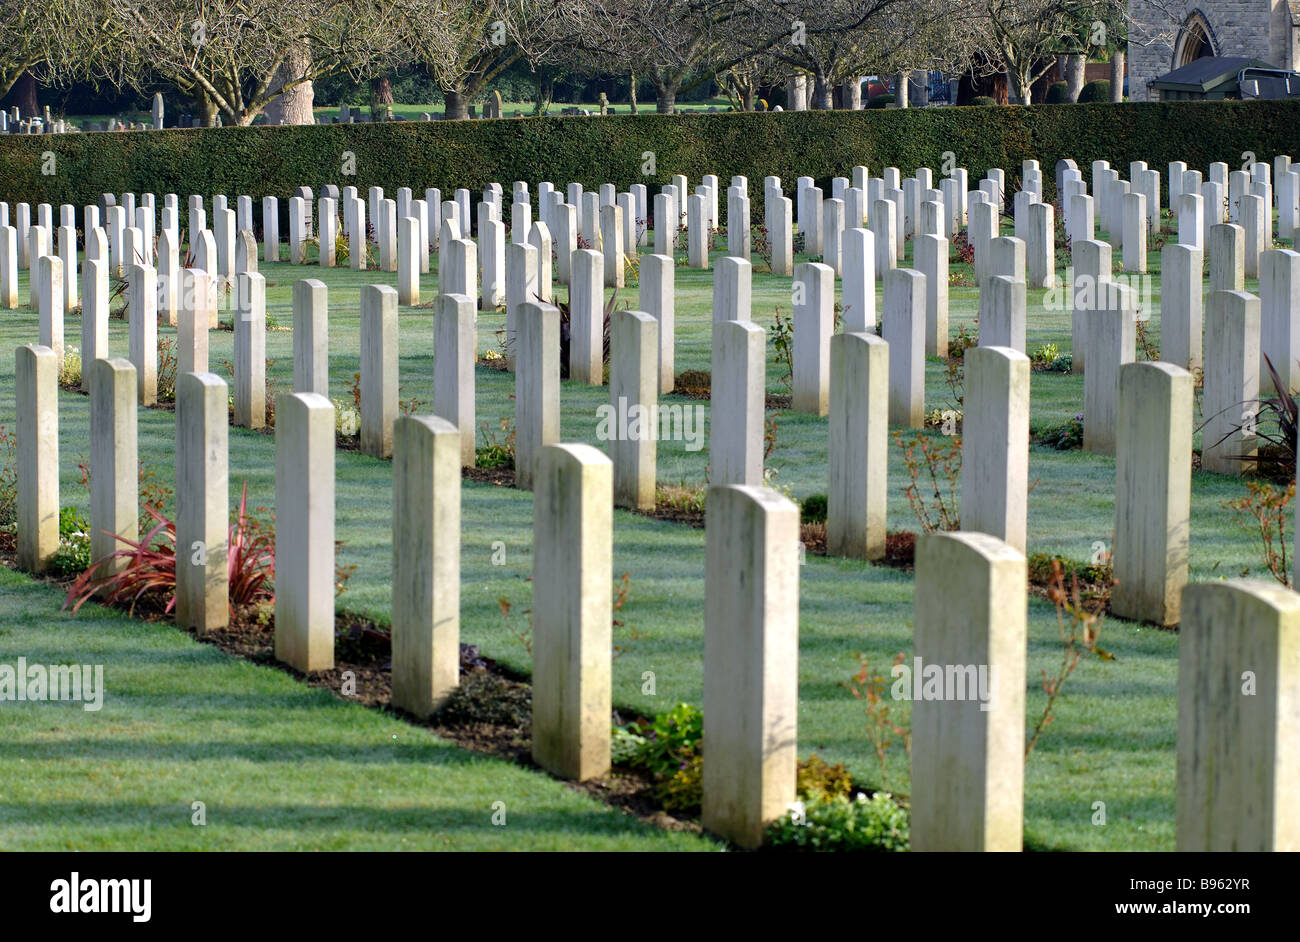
[
  {"x": 1096, "y": 90},
  {"x": 272, "y": 161}
]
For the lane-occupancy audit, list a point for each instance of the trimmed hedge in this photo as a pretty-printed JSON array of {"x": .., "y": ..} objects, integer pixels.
[
  {"x": 1096, "y": 90},
  {"x": 273, "y": 161}
]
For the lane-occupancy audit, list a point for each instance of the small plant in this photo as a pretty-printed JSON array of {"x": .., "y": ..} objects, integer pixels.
[
  {"x": 8, "y": 478},
  {"x": 1146, "y": 347},
  {"x": 812, "y": 509},
  {"x": 167, "y": 369},
  {"x": 962, "y": 341},
  {"x": 683, "y": 789},
  {"x": 354, "y": 387},
  {"x": 1046, "y": 354},
  {"x": 625, "y": 744},
  {"x": 622, "y": 591},
  {"x": 882, "y": 728},
  {"x": 149, "y": 570},
  {"x": 1276, "y": 425},
  {"x": 347, "y": 420},
  {"x": 944, "y": 421},
  {"x": 669, "y": 749},
  {"x": 962, "y": 248},
  {"x": 1080, "y": 627},
  {"x": 411, "y": 406},
  {"x": 1064, "y": 436},
  {"x": 494, "y": 452},
  {"x": 151, "y": 489},
  {"x": 73, "y": 555},
  {"x": 1266, "y": 509},
  {"x": 523, "y": 635},
  {"x": 816, "y": 779},
  {"x": 250, "y": 557},
  {"x": 150, "y": 564},
  {"x": 683, "y": 497},
  {"x": 70, "y": 368},
  {"x": 934, "y": 470},
  {"x": 783, "y": 344},
  {"x": 840, "y": 823},
  {"x": 761, "y": 244}
]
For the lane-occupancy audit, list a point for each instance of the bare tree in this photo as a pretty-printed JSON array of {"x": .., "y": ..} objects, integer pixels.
[
  {"x": 836, "y": 41},
  {"x": 40, "y": 39},
  {"x": 233, "y": 57},
  {"x": 465, "y": 45},
  {"x": 676, "y": 44}
]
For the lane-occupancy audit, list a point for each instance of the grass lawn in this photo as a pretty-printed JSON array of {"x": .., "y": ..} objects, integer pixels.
[
  {"x": 278, "y": 765},
  {"x": 226, "y": 729}
]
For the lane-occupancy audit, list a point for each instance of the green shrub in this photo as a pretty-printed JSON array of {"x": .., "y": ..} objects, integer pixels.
[
  {"x": 1065, "y": 436},
  {"x": 839, "y": 823},
  {"x": 669, "y": 748},
  {"x": 1040, "y": 570},
  {"x": 1095, "y": 91},
  {"x": 683, "y": 790},
  {"x": 1046, "y": 354},
  {"x": 73, "y": 555},
  {"x": 625, "y": 745},
  {"x": 817, "y": 780},
  {"x": 673, "y": 738},
  {"x": 1057, "y": 94},
  {"x": 881, "y": 101},
  {"x": 8, "y": 477},
  {"x": 983, "y": 101},
  {"x": 273, "y": 161},
  {"x": 813, "y": 509}
]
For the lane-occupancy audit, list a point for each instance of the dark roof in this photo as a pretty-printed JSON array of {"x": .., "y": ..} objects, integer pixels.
[{"x": 1207, "y": 72}]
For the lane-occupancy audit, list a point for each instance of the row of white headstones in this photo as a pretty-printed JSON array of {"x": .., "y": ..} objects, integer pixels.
[{"x": 970, "y": 585}]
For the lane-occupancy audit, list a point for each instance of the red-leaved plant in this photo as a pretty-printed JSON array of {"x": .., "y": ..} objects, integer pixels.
[{"x": 151, "y": 565}]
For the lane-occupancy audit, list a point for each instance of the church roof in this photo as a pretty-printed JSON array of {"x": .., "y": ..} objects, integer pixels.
[{"x": 1208, "y": 72}]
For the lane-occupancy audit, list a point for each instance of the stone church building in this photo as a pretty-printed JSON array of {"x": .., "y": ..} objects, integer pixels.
[{"x": 1164, "y": 36}]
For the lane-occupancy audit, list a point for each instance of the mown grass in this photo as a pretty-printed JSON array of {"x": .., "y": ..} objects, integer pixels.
[{"x": 1112, "y": 741}]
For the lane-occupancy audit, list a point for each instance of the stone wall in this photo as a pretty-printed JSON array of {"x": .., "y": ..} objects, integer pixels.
[{"x": 1259, "y": 29}]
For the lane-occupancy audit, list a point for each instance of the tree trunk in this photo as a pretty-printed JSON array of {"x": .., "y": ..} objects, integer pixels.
[
  {"x": 852, "y": 92},
  {"x": 796, "y": 96},
  {"x": 822, "y": 94},
  {"x": 665, "y": 96},
  {"x": 545, "y": 85},
  {"x": 1021, "y": 87},
  {"x": 24, "y": 95},
  {"x": 456, "y": 107},
  {"x": 900, "y": 89},
  {"x": 295, "y": 105},
  {"x": 747, "y": 95},
  {"x": 1117, "y": 75},
  {"x": 631, "y": 90},
  {"x": 207, "y": 111},
  {"x": 1074, "y": 66},
  {"x": 381, "y": 96}
]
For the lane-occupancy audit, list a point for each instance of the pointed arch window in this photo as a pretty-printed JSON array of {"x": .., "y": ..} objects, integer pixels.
[{"x": 1195, "y": 40}]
